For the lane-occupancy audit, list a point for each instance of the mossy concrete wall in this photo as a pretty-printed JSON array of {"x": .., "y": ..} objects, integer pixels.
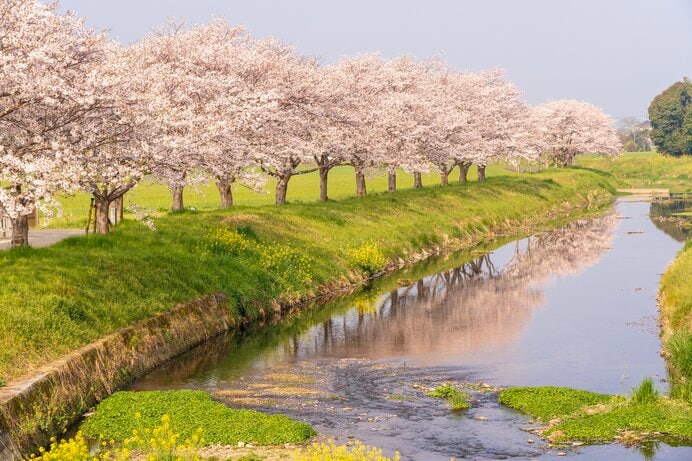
[{"x": 33, "y": 410}]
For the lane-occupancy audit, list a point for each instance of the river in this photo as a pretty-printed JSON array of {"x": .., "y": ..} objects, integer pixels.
[{"x": 570, "y": 307}]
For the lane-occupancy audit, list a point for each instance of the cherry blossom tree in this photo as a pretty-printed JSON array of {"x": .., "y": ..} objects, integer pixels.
[
  {"x": 122, "y": 154},
  {"x": 196, "y": 104},
  {"x": 496, "y": 116},
  {"x": 47, "y": 64},
  {"x": 567, "y": 128}
]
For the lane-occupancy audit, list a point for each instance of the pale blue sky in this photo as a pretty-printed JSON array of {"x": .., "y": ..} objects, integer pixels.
[{"x": 616, "y": 54}]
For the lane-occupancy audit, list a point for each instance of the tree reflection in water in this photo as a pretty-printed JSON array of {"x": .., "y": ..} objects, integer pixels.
[{"x": 460, "y": 310}]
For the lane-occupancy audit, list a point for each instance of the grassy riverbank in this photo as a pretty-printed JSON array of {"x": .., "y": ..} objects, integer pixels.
[
  {"x": 675, "y": 300},
  {"x": 55, "y": 299},
  {"x": 645, "y": 170}
]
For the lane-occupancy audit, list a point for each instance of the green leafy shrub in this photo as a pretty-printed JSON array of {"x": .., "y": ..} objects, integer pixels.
[
  {"x": 645, "y": 393},
  {"x": 458, "y": 400},
  {"x": 354, "y": 451},
  {"x": 368, "y": 258}
]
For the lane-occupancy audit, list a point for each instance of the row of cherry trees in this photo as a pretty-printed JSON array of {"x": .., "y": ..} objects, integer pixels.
[{"x": 81, "y": 112}]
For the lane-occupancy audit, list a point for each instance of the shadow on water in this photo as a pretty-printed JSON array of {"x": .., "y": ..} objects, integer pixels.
[{"x": 573, "y": 307}]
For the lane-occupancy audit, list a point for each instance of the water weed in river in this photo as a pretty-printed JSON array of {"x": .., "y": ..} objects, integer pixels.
[
  {"x": 583, "y": 416},
  {"x": 190, "y": 411},
  {"x": 457, "y": 399}
]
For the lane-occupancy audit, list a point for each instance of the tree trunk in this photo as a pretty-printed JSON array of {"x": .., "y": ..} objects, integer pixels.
[
  {"x": 444, "y": 175},
  {"x": 361, "y": 190},
  {"x": 324, "y": 176},
  {"x": 225, "y": 191},
  {"x": 282, "y": 188},
  {"x": 481, "y": 172},
  {"x": 417, "y": 180},
  {"x": 101, "y": 204},
  {"x": 177, "y": 191},
  {"x": 20, "y": 231},
  {"x": 391, "y": 181},
  {"x": 464, "y": 171}
]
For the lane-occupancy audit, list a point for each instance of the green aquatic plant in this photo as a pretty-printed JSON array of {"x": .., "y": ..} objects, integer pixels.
[
  {"x": 548, "y": 402},
  {"x": 578, "y": 415},
  {"x": 457, "y": 399},
  {"x": 665, "y": 418},
  {"x": 645, "y": 393},
  {"x": 118, "y": 415}
]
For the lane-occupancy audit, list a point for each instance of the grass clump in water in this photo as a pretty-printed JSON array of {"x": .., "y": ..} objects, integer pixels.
[
  {"x": 628, "y": 421},
  {"x": 457, "y": 399},
  {"x": 548, "y": 402},
  {"x": 645, "y": 393},
  {"x": 189, "y": 411},
  {"x": 577, "y": 415}
]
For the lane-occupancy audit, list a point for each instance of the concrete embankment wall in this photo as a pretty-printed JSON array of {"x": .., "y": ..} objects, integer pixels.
[{"x": 33, "y": 410}]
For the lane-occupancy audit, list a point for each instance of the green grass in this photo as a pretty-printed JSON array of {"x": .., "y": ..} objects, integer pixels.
[
  {"x": 675, "y": 302},
  {"x": 645, "y": 170},
  {"x": 56, "y": 299},
  {"x": 118, "y": 415},
  {"x": 577, "y": 415},
  {"x": 548, "y": 402},
  {"x": 457, "y": 399},
  {"x": 302, "y": 188},
  {"x": 645, "y": 393}
]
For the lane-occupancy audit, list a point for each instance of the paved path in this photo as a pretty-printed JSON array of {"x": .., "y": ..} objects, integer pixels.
[{"x": 44, "y": 237}]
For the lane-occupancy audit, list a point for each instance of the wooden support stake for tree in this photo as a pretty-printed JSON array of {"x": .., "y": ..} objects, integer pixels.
[{"x": 91, "y": 207}]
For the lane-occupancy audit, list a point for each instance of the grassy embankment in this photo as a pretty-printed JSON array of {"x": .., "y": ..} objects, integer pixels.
[
  {"x": 577, "y": 415},
  {"x": 675, "y": 301},
  {"x": 302, "y": 188},
  {"x": 648, "y": 170},
  {"x": 55, "y": 299}
]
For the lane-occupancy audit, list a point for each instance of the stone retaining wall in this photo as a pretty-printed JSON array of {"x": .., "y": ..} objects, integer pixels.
[{"x": 56, "y": 396}]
